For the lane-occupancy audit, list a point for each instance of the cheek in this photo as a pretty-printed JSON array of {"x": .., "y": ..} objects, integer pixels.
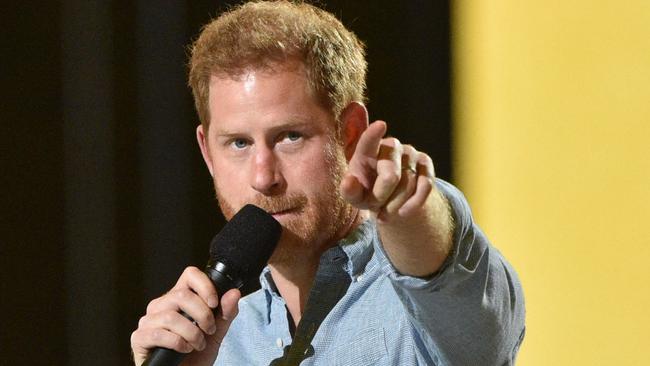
[
  {"x": 229, "y": 183},
  {"x": 317, "y": 175},
  {"x": 307, "y": 173}
]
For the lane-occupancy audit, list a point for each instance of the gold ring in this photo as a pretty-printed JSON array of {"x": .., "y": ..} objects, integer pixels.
[{"x": 410, "y": 169}]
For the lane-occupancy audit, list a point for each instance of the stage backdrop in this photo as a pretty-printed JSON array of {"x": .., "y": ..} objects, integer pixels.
[
  {"x": 104, "y": 191},
  {"x": 552, "y": 113}
]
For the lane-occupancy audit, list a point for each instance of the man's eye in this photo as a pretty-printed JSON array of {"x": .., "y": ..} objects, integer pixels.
[
  {"x": 293, "y": 136},
  {"x": 239, "y": 143}
]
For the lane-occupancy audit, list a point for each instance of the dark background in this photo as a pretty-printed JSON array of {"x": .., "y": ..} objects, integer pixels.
[{"x": 105, "y": 198}]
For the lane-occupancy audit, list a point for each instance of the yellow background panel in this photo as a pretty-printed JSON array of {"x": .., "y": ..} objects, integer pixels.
[{"x": 552, "y": 136}]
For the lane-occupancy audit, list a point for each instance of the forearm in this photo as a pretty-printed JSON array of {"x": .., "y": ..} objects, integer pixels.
[
  {"x": 418, "y": 245},
  {"x": 477, "y": 292}
]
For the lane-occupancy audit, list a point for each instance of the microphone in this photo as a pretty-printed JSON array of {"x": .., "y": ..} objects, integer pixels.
[{"x": 238, "y": 253}]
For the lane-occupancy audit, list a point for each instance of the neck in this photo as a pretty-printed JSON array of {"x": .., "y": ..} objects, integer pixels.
[
  {"x": 294, "y": 283},
  {"x": 294, "y": 279}
]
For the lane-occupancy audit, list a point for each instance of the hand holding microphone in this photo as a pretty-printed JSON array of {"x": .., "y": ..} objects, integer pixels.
[{"x": 191, "y": 317}]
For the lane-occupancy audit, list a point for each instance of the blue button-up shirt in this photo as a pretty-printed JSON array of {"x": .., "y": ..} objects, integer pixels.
[{"x": 361, "y": 311}]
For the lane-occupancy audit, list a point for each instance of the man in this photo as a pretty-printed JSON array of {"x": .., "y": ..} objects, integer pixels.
[{"x": 379, "y": 263}]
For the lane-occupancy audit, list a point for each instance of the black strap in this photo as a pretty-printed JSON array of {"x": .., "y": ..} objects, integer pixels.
[{"x": 327, "y": 290}]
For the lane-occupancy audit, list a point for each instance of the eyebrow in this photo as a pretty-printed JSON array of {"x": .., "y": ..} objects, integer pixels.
[{"x": 288, "y": 125}]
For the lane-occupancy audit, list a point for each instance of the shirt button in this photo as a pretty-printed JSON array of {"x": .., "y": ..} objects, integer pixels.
[
  {"x": 279, "y": 343},
  {"x": 359, "y": 278}
]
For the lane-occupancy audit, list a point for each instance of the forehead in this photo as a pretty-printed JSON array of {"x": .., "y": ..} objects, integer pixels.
[{"x": 264, "y": 95}]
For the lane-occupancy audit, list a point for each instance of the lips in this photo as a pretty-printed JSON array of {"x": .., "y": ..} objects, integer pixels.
[
  {"x": 282, "y": 212},
  {"x": 281, "y": 205}
]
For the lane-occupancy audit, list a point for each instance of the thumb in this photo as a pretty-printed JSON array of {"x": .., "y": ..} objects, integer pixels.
[
  {"x": 230, "y": 305},
  {"x": 228, "y": 310}
]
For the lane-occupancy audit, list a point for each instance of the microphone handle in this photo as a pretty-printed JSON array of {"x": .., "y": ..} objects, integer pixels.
[{"x": 161, "y": 356}]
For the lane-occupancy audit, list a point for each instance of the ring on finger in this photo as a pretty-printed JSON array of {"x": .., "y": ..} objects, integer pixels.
[{"x": 409, "y": 168}]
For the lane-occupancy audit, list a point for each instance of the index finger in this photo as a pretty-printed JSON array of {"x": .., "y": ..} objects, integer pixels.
[
  {"x": 198, "y": 281},
  {"x": 368, "y": 145}
]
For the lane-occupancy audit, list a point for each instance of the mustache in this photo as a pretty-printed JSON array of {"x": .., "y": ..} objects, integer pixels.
[{"x": 275, "y": 204}]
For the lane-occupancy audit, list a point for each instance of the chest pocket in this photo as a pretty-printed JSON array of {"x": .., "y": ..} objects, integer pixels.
[{"x": 366, "y": 347}]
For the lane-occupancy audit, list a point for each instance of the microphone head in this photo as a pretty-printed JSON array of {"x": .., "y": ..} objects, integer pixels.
[{"x": 246, "y": 243}]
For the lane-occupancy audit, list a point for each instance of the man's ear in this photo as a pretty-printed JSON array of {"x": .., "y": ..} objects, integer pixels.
[
  {"x": 202, "y": 139},
  {"x": 354, "y": 120}
]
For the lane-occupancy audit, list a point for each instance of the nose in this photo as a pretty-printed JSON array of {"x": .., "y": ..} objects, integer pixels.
[{"x": 267, "y": 177}]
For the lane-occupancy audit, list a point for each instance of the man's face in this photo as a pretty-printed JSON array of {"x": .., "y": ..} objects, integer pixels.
[{"x": 272, "y": 144}]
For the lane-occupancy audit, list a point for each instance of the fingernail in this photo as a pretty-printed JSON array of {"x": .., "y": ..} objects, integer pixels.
[
  {"x": 212, "y": 329},
  {"x": 213, "y": 301}
]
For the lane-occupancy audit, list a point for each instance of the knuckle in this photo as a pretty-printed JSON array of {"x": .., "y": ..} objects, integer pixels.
[
  {"x": 399, "y": 148},
  {"x": 135, "y": 338},
  {"x": 391, "y": 178},
  {"x": 393, "y": 141},
  {"x": 425, "y": 159},
  {"x": 168, "y": 318},
  {"x": 191, "y": 271},
  {"x": 390, "y": 146},
  {"x": 182, "y": 294},
  {"x": 151, "y": 307},
  {"x": 142, "y": 321},
  {"x": 409, "y": 149},
  {"x": 156, "y": 335},
  {"x": 427, "y": 187}
]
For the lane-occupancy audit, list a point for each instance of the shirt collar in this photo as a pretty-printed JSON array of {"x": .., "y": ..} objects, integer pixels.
[{"x": 357, "y": 247}]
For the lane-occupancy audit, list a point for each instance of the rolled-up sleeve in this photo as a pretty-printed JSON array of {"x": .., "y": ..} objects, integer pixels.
[{"x": 471, "y": 312}]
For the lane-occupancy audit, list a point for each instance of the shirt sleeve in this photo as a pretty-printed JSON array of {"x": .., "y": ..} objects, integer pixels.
[{"x": 471, "y": 312}]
